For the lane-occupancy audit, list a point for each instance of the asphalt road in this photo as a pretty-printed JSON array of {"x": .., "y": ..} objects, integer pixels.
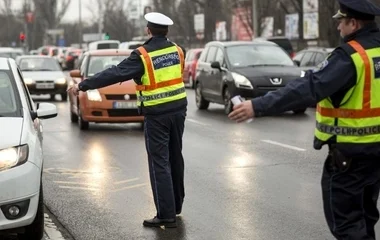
[{"x": 243, "y": 181}]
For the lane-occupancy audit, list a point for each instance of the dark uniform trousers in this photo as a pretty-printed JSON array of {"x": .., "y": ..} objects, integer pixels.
[
  {"x": 350, "y": 197},
  {"x": 163, "y": 140}
]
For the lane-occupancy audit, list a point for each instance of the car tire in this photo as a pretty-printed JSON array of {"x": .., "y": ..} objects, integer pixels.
[
  {"x": 299, "y": 111},
  {"x": 83, "y": 125},
  {"x": 64, "y": 97},
  {"x": 227, "y": 101},
  {"x": 202, "y": 103},
  {"x": 52, "y": 97},
  {"x": 35, "y": 231}
]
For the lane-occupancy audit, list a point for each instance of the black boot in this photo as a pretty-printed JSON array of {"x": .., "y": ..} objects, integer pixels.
[{"x": 156, "y": 222}]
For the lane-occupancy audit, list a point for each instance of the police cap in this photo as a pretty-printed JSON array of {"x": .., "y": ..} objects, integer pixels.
[
  {"x": 158, "y": 20},
  {"x": 358, "y": 9}
]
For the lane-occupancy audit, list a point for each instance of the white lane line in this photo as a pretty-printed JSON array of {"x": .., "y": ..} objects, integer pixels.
[
  {"x": 127, "y": 181},
  {"x": 51, "y": 229},
  {"x": 79, "y": 188},
  {"x": 129, "y": 187},
  {"x": 197, "y": 122},
  {"x": 77, "y": 183},
  {"x": 284, "y": 145}
]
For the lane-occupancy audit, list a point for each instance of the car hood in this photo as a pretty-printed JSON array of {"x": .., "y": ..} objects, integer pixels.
[
  {"x": 261, "y": 75},
  {"x": 43, "y": 75},
  {"x": 120, "y": 88},
  {"x": 10, "y": 129}
]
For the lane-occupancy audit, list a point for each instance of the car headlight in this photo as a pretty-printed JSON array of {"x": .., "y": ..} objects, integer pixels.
[
  {"x": 241, "y": 81},
  {"x": 13, "y": 156},
  {"x": 60, "y": 81},
  {"x": 28, "y": 81},
  {"x": 94, "y": 95},
  {"x": 303, "y": 73}
]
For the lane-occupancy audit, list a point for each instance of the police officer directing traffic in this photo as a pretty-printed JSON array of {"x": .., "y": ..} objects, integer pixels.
[
  {"x": 157, "y": 68},
  {"x": 346, "y": 87}
]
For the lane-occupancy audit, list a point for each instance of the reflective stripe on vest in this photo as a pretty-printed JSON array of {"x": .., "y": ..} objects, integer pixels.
[
  {"x": 357, "y": 120},
  {"x": 162, "y": 81},
  {"x": 348, "y": 131}
]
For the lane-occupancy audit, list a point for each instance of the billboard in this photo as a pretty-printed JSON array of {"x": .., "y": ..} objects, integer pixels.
[{"x": 240, "y": 26}]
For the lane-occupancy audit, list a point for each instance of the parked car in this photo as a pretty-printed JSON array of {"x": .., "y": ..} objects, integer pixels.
[
  {"x": 21, "y": 155},
  {"x": 283, "y": 42},
  {"x": 112, "y": 104},
  {"x": 191, "y": 61},
  {"x": 309, "y": 58},
  {"x": 43, "y": 75},
  {"x": 248, "y": 69}
]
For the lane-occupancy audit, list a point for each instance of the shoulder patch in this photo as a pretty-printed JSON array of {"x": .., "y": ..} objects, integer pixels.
[
  {"x": 321, "y": 66},
  {"x": 376, "y": 66}
]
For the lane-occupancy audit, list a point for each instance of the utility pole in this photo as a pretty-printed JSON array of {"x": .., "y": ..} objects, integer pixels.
[
  {"x": 255, "y": 25},
  {"x": 80, "y": 23}
]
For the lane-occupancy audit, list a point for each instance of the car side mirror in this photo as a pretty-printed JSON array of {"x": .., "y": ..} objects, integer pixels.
[
  {"x": 216, "y": 65},
  {"x": 298, "y": 63},
  {"x": 75, "y": 73},
  {"x": 45, "y": 111}
]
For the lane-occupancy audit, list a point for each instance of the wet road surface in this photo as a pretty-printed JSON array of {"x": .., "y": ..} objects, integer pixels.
[{"x": 243, "y": 181}]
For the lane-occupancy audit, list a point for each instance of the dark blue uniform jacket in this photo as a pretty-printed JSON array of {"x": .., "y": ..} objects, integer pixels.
[
  {"x": 333, "y": 79},
  {"x": 133, "y": 68}
]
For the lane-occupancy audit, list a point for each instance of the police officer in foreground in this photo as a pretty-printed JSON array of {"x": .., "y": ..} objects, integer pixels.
[
  {"x": 347, "y": 89},
  {"x": 157, "y": 68}
]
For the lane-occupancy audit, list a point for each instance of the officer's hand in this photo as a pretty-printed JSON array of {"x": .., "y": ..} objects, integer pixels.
[
  {"x": 242, "y": 112},
  {"x": 74, "y": 89}
]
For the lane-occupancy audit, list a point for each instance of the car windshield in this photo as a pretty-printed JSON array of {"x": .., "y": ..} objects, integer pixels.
[
  {"x": 258, "y": 55},
  {"x": 99, "y": 63},
  {"x": 8, "y": 102},
  {"x": 39, "y": 64},
  {"x": 13, "y": 55}
]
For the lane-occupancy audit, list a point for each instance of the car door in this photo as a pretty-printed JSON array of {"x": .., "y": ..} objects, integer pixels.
[
  {"x": 217, "y": 75},
  {"x": 207, "y": 85}
]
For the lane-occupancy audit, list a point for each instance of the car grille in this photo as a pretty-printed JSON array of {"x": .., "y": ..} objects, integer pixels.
[
  {"x": 122, "y": 112},
  {"x": 44, "y": 81},
  {"x": 120, "y": 97}
]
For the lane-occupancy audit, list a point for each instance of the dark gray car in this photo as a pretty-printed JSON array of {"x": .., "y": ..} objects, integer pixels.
[{"x": 248, "y": 69}]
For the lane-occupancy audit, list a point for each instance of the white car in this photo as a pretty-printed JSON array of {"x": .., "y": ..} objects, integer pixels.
[{"x": 21, "y": 155}]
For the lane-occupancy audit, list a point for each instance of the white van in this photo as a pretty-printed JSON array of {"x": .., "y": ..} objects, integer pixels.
[{"x": 104, "y": 44}]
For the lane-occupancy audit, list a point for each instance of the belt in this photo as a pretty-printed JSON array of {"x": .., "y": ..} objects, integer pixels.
[
  {"x": 348, "y": 131},
  {"x": 161, "y": 95}
]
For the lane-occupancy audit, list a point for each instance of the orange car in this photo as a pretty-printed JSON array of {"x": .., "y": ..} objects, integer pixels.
[{"x": 116, "y": 103}]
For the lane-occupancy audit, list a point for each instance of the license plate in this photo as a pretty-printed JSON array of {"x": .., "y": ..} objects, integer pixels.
[
  {"x": 125, "y": 105},
  {"x": 45, "y": 85}
]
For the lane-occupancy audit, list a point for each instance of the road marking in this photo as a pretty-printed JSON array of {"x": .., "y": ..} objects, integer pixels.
[
  {"x": 80, "y": 188},
  {"x": 197, "y": 122},
  {"x": 127, "y": 181},
  {"x": 129, "y": 187},
  {"x": 79, "y": 183},
  {"x": 51, "y": 230},
  {"x": 284, "y": 145}
]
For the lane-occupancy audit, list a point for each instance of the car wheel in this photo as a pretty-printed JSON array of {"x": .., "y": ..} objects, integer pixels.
[
  {"x": 83, "y": 125},
  {"x": 64, "y": 97},
  {"x": 35, "y": 231},
  {"x": 199, "y": 100},
  {"x": 299, "y": 111},
  {"x": 227, "y": 101},
  {"x": 52, "y": 97}
]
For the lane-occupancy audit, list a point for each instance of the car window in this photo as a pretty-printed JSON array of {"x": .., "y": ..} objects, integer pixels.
[
  {"x": 45, "y": 51},
  {"x": 299, "y": 56},
  {"x": 319, "y": 57},
  {"x": 211, "y": 54},
  {"x": 55, "y": 52},
  {"x": 203, "y": 56},
  {"x": 307, "y": 59},
  {"x": 100, "y": 63},
  {"x": 283, "y": 42},
  {"x": 219, "y": 56},
  {"x": 39, "y": 64},
  {"x": 256, "y": 55},
  {"x": 83, "y": 65},
  {"x": 9, "y": 106}
]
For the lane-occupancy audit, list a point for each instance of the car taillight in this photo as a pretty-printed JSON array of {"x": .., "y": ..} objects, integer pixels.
[{"x": 292, "y": 55}]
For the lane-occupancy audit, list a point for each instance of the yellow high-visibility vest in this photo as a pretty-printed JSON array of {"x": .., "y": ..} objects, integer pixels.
[
  {"x": 162, "y": 81},
  {"x": 357, "y": 120}
]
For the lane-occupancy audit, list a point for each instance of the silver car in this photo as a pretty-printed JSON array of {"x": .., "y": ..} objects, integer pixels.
[{"x": 43, "y": 75}]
